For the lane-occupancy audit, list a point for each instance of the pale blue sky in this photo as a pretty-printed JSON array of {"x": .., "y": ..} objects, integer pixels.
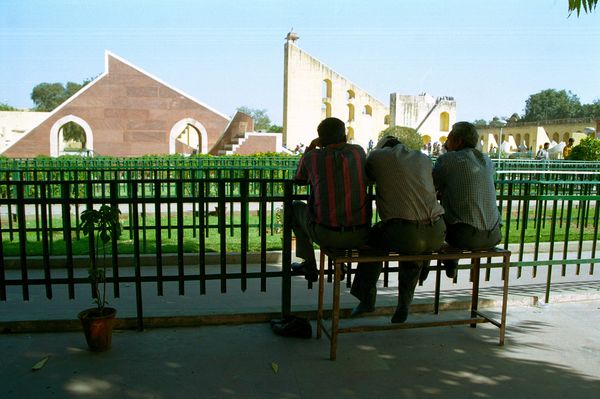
[{"x": 490, "y": 55}]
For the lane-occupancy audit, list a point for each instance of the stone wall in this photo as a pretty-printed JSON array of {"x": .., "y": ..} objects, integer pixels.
[{"x": 125, "y": 112}]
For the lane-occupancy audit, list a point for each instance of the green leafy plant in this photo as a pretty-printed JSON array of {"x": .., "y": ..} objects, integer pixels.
[
  {"x": 587, "y": 150},
  {"x": 407, "y": 136},
  {"x": 104, "y": 225}
]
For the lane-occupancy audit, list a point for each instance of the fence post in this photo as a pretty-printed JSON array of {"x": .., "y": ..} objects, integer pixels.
[{"x": 286, "y": 254}]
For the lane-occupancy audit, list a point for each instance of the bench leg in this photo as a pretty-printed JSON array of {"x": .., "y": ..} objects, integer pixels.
[
  {"x": 321, "y": 293},
  {"x": 505, "y": 274},
  {"x": 436, "y": 300},
  {"x": 335, "y": 314},
  {"x": 475, "y": 294}
]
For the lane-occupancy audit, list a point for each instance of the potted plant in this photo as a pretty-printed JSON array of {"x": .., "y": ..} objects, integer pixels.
[{"x": 102, "y": 224}]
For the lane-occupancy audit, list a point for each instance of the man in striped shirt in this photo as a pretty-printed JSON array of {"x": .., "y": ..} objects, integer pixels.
[
  {"x": 464, "y": 178},
  {"x": 338, "y": 213}
]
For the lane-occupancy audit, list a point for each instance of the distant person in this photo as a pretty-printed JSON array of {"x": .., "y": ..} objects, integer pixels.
[
  {"x": 338, "y": 213},
  {"x": 411, "y": 221},
  {"x": 542, "y": 153},
  {"x": 464, "y": 178},
  {"x": 568, "y": 148}
]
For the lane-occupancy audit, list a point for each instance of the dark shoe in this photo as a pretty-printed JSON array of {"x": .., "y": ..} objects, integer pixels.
[
  {"x": 297, "y": 327},
  {"x": 361, "y": 308},
  {"x": 284, "y": 320},
  {"x": 308, "y": 268},
  {"x": 424, "y": 274},
  {"x": 451, "y": 267},
  {"x": 400, "y": 315}
]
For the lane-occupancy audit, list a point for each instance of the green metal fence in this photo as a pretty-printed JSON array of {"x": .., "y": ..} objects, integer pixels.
[{"x": 551, "y": 218}]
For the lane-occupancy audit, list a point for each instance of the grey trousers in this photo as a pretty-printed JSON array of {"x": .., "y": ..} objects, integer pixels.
[
  {"x": 307, "y": 233},
  {"x": 464, "y": 236},
  {"x": 404, "y": 238}
]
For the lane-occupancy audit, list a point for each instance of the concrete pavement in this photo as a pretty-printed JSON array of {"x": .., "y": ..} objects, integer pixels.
[{"x": 551, "y": 351}]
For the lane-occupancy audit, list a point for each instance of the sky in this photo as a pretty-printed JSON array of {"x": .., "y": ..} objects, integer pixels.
[{"x": 490, "y": 55}]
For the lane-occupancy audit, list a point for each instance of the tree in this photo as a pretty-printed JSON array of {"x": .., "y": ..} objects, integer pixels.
[
  {"x": 480, "y": 123},
  {"x": 48, "y": 96},
  {"x": 551, "y": 104},
  {"x": 591, "y": 110},
  {"x": 587, "y": 5},
  {"x": 275, "y": 129},
  {"x": 6, "y": 107},
  {"x": 72, "y": 131},
  {"x": 588, "y": 149},
  {"x": 260, "y": 117},
  {"x": 407, "y": 136}
]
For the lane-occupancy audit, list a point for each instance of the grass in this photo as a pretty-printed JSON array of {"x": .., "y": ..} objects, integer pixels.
[{"x": 273, "y": 237}]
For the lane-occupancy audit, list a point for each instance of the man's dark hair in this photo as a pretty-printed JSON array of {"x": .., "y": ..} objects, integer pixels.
[
  {"x": 332, "y": 131},
  {"x": 466, "y": 132}
]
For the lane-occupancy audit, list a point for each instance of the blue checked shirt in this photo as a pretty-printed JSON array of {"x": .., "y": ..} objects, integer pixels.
[{"x": 465, "y": 180}]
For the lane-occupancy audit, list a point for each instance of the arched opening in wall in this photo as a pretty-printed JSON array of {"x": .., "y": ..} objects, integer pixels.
[
  {"x": 426, "y": 139},
  {"x": 566, "y": 137},
  {"x": 526, "y": 141},
  {"x": 326, "y": 110},
  {"x": 368, "y": 110},
  {"x": 326, "y": 90},
  {"x": 350, "y": 112},
  {"x": 556, "y": 137},
  {"x": 496, "y": 138},
  {"x": 73, "y": 134},
  {"x": 350, "y": 94},
  {"x": 188, "y": 136},
  {"x": 518, "y": 139},
  {"x": 386, "y": 120},
  {"x": 444, "y": 122},
  {"x": 72, "y": 139},
  {"x": 188, "y": 141},
  {"x": 350, "y": 135}
]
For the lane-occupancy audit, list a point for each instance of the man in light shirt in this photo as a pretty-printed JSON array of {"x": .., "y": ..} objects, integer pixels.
[{"x": 411, "y": 220}]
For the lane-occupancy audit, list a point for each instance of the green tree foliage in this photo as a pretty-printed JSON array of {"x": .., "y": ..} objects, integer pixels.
[
  {"x": 552, "y": 104},
  {"x": 588, "y": 149},
  {"x": 48, "y": 96},
  {"x": 260, "y": 117},
  {"x": 591, "y": 110},
  {"x": 480, "y": 123},
  {"x": 275, "y": 129},
  {"x": 587, "y": 5},
  {"x": 6, "y": 107},
  {"x": 72, "y": 131},
  {"x": 407, "y": 135}
]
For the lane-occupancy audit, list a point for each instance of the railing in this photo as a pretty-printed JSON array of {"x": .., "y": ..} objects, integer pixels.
[{"x": 552, "y": 223}]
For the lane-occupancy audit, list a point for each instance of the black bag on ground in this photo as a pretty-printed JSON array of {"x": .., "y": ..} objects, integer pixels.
[{"x": 292, "y": 326}]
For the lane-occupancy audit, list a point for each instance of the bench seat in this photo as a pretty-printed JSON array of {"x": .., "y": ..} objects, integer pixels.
[{"x": 337, "y": 258}]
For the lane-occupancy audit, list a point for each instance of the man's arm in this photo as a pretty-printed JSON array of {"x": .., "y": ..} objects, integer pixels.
[{"x": 301, "y": 177}]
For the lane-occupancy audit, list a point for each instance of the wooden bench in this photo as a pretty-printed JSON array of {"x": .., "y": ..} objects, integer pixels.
[{"x": 340, "y": 257}]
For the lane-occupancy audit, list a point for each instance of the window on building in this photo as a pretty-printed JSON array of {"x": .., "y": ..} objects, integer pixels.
[
  {"x": 326, "y": 109},
  {"x": 326, "y": 89},
  {"x": 350, "y": 112},
  {"x": 350, "y": 135},
  {"x": 444, "y": 122},
  {"x": 368, "y": 110}
]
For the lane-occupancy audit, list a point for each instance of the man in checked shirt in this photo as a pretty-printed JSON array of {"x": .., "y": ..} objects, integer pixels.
[
  {"x": 338, "y": 213},
  {"x": 464, "y": 178}
]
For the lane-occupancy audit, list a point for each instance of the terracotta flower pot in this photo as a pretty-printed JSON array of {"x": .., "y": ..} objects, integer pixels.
[{"x": 97, "y": 326}]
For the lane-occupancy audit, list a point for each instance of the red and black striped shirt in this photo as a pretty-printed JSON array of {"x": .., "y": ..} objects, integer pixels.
[{"x": 336, "y": 175}]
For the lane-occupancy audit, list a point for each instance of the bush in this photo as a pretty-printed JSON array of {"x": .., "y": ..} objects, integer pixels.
[
  {"x": 407, "y": 136},
  {"x": 588, "y": 149}
]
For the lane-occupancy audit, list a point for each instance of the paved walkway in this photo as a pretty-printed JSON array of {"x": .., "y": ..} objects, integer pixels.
[{"x": 551, "y": 351}]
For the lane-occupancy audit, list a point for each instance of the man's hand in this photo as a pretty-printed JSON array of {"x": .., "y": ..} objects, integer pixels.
[{"x": 316, "y": 143}]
